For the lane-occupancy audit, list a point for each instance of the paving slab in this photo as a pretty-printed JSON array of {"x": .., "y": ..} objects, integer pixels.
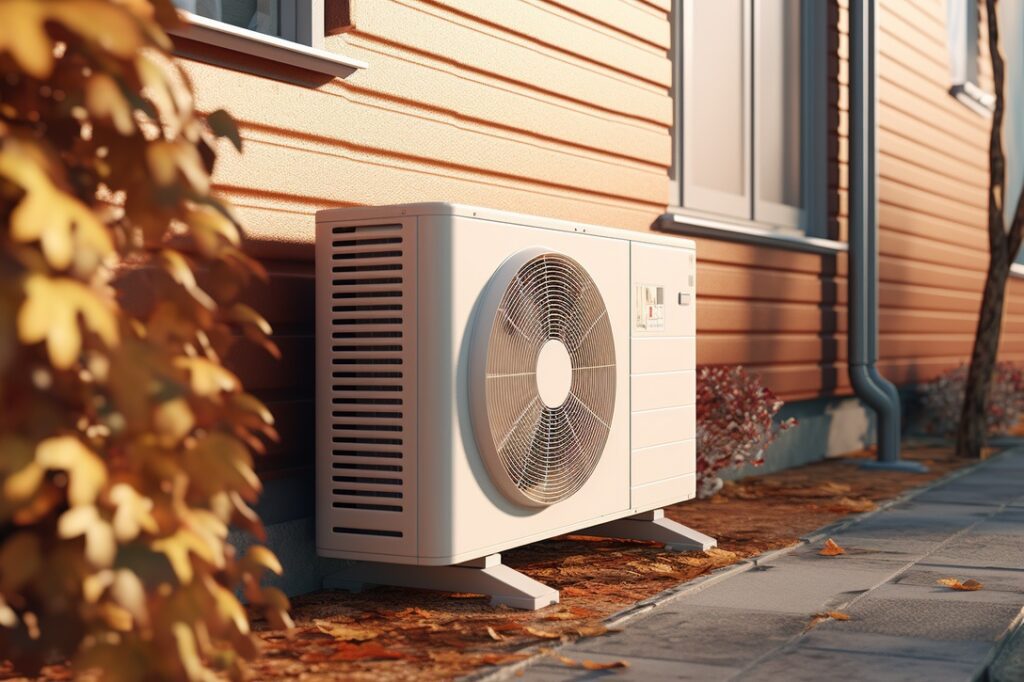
[
  {"x": 707, "y": 635},
  {"x": 757, "y": 624},
  {"x": 813, "y": 665}
]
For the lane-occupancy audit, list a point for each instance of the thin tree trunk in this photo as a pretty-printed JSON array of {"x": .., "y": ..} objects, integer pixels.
[
  {"x": 1003, "y": 245},
  {"x": 971, "y": 433}
]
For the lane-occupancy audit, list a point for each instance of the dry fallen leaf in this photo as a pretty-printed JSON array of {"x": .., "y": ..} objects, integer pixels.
[
  {"x": 346, "y": 651},
  {"x": 493, "y": 634},
  {"x": 847, "y": 504},
  {"x": 969, "y": 585},
  {"x": 343, "y": 632},
  {"x": 543, "y": 634},
  {"x": 827, "y": 615},
  {"x": 593, "y": 630},
  {"x": 831, "y": 548}
]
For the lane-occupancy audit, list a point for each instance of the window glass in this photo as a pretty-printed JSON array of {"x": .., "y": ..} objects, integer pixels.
[
  {"x": 717, "y": 120},
  {"x": 778, "y": 102},
  {"x": 262, "y": 16}
]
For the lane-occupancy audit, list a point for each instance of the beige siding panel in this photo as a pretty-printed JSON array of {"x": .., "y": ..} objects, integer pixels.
[
  {"x": 717, "y": 315},
  {"x": 899, "y": 245},
  {"x": 389, "y": 130},
  {"x": 559, "y": 30},
  {"x": 622, "y": 16},
  {"x": 927, "y": 180},
  {"x": 896, "y": 193},
  {"x": 949, "y": 237},
  {"x": 925, "y": 134},
  {"x": 938, "y": 162},
  {"x": 421, "y": 82},
  {"x": 749, "y": 284},
  {"x": 930, "y": 274},
  {"x": 434, "y": 31}
]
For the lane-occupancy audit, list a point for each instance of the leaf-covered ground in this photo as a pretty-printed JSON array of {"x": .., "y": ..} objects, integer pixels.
[{"x": 390, "y": 633}]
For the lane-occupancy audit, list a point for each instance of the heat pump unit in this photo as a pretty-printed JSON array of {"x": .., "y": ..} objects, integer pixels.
[{"x": 488, "y": 379}]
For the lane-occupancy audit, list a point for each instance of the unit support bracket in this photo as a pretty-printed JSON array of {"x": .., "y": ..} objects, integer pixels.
[
  {"x": 487, "y": 575},
  {"x": 654, "y": 527}
]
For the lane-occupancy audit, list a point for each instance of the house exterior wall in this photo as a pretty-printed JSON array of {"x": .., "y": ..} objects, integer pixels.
[{"x": 564, "y": 108}]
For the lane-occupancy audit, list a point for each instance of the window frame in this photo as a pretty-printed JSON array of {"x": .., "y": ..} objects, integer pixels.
[
  {"x": 758, "y": 216},
  {"x": 962, "y": 30},
  {"x": 303, "y": 19}
]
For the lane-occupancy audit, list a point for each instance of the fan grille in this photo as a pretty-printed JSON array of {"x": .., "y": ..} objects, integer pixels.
[{"x": 549, "y": 452}]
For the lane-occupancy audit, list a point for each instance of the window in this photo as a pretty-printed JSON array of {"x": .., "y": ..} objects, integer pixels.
[
  {"x": 962, "y": 30},
  {"x": 288, "y": 19},
  {"x": 288, "y": 31},
  {"x": 751, "y": 112}
]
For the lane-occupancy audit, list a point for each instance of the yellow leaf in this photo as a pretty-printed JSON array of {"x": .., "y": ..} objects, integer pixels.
[
  {"x": 211, "y": 229},
  {"x": 86, "y": 471},
  {"x": 100, "y": 546},
  {"x": 831, "y": 548},
  {"x": 128, "y": 592},
  {"x": 346, "y": 633},
  {"x": 218, "y": 461},
  {"x": 59, "y": 221},
  {"x": 260, "y": 557},
  {"x": 178, "y": 549},
  {"x": 969, "y": 585},
  {"x": 104, "y": 99},
  {"x": 167, "y": 159},
  {"x": 181, "y": 272},
  {"x": 227, "y": 605},
  {"x": 95, "y": 584},
  {"x": 25, "y": 36},
  {"x": 51, "y": 311},
  {"x": 132, "y": 514},
  {"x": 493, "y": 634},
  {"x": 206, "y": 377},
  {"x": 173, "y": 419},
  {"x": 188, "y": 652},
  {"x": 591, "y": 665}
]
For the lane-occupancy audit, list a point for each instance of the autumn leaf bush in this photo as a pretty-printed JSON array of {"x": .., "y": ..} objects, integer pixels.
[
  {"x": 126, "y": 445},
  {"x": 735, "y": 423},
  {"x": 942, "y": 400}
]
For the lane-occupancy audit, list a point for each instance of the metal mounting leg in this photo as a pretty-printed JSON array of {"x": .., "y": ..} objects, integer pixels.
[
  {"x": 487, "y": 576},
  {"x": 654, "y": 527}
]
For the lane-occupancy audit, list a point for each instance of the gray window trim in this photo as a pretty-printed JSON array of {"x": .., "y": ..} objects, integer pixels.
[
  {"x": 811, "y": 220},
  {"x": 298, "y": 54},
  {"x": 962, "y": 42},
  {"x": 681, "y": 222}
]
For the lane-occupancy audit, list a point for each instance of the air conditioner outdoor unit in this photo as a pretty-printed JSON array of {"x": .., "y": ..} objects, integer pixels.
[{"x": 486, "y": 380}]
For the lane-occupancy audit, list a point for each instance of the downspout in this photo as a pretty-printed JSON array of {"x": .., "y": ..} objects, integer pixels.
[{"x": 871, "y": 387}]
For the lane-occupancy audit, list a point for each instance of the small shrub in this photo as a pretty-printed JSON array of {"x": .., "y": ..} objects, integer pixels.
[
  {"x": 942, "y": 400},
  {"x": 126, "y": 445},
  {"x": 735, "y": 423}
]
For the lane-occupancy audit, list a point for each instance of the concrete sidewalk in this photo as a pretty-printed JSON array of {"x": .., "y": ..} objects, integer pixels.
[{"x": 753, "y": 624}]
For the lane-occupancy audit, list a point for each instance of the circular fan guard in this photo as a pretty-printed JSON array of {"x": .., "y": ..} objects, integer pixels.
[{"x": 536, "y": 453}]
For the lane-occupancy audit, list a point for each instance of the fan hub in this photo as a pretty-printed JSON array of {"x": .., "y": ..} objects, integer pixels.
[{"x": 554, "y": 373}]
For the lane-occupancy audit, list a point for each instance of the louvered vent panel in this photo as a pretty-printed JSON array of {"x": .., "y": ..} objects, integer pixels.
[{"x": 373, "y": 343}]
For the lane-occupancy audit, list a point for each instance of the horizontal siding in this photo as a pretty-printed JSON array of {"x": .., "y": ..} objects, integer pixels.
[{"x": 564, "y": 108}]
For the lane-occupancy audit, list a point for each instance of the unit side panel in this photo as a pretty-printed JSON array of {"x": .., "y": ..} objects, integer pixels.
[
  {"x": 366, "y": 388},
  {"x": 662, "y": 375}
]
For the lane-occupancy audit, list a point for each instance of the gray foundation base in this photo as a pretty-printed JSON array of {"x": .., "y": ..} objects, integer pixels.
[{"x": 654, "y": 527}]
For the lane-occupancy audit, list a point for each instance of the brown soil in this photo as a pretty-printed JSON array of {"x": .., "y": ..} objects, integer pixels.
[{"x": 413, "y": 634}]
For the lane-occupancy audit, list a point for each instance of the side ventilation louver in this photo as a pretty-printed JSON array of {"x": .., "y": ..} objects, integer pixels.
[{"x": 372, "y": 303}]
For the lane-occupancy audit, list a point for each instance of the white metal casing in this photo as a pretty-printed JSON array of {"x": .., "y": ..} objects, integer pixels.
[{"x": 405, "y": 281}]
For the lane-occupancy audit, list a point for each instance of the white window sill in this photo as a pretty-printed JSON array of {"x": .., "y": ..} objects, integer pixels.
[
  {"x": 263, "y": 46},
  {"x": 1017, "y": 270},
  {"x": 718, "y": 229},
  {"x": 974, "y": 98}
]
